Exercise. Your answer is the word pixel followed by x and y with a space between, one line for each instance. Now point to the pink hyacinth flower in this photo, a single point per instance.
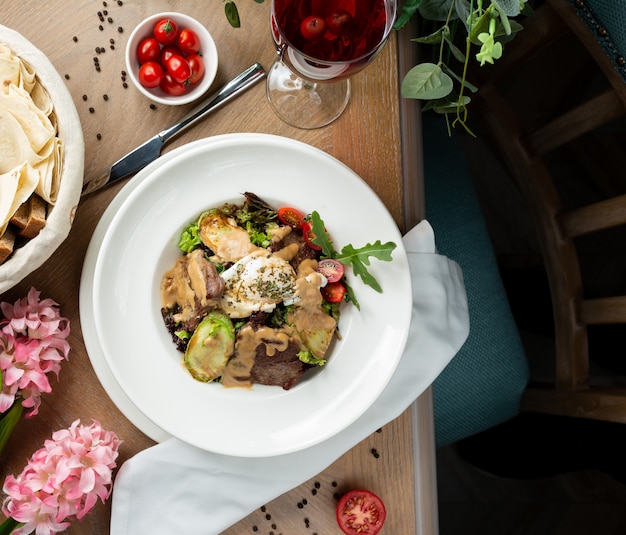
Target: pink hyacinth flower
pixel 33 342
pixel 63 480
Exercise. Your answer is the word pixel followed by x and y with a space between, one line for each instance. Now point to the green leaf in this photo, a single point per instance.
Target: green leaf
pixel 9 526
pixel 359 258
pixel 409 8
pixel 436 9
pixel 449 106
pixel 456 52
pixel 434 38
pixel 232 14
pixel 322 239
pixel 8 423
pixel 308 358
pixel 426 81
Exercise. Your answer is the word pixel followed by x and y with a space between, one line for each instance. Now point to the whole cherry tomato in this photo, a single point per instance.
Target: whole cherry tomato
pixel 169 50
pixel 148 50
pixel 150 74
pixel 188 41
pixel 313 27
pixel 166 31
pixel 178 68
pixel 196 64
pixel 171 86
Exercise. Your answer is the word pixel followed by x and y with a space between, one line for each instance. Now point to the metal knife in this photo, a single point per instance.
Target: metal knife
pixel 151 149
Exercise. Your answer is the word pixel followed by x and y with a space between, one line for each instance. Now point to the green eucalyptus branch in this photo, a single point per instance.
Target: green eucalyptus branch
pixel 488 24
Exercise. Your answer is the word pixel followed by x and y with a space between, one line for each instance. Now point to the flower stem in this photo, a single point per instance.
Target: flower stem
pixel 9 525
pixel 8 423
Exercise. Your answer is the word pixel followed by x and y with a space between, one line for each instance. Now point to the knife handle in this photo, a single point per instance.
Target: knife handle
pixel 237 85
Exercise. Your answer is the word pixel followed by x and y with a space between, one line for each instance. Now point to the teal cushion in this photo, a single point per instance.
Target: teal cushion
pixel 483 384
pixel 606 20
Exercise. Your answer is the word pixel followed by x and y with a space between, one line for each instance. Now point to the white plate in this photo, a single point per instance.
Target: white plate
pixel 128 257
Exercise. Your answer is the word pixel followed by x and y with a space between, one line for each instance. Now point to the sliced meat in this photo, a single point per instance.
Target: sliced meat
pixel 281 369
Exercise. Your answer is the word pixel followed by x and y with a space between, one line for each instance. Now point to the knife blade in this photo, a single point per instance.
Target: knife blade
pixel 149 151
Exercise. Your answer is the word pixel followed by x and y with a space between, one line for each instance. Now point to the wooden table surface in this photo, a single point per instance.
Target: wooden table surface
pixel 367 138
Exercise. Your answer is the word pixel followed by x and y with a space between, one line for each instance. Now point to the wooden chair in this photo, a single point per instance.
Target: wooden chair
pixel 532 130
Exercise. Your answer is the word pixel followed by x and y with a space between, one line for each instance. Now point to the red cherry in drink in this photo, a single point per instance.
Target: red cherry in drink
pixel 339 21
pixel 313 27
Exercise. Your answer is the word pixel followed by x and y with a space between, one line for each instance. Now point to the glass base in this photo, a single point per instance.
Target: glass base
pixel 305 104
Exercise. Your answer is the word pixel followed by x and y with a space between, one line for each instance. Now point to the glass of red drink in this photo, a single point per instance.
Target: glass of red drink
pixel 320 44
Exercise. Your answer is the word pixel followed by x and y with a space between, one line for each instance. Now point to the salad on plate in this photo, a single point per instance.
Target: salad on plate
pixel 255 297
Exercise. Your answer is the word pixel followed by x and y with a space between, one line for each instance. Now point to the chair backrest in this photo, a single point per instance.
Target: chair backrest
pixel 568 112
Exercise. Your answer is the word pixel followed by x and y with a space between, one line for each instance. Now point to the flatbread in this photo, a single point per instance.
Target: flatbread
pixel 16 187
pixel 30 149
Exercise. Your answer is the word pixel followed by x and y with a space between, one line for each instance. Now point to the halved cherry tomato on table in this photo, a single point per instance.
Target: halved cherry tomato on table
pixel 331 269
pixel 150 74
pixel 188 41
pixel 313 27
pixel 196 64
pixel 309 236
pixel 166 31
pixel 178 68
pixel 148 50
pixel 333 292
pixel 290 216
pixel 360 511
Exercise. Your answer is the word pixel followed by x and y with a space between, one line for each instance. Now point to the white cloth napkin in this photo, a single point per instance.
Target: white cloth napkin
pixel 167 477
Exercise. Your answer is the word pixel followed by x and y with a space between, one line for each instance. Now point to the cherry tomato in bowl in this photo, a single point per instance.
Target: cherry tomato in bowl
pixel 200 74
pixel 150 74
pixel 166 31
pixel 188 41
pixel 149 49
pixel 360 511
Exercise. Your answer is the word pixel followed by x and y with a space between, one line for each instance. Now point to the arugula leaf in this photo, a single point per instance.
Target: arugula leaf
pixel 359 258
pixel 349 255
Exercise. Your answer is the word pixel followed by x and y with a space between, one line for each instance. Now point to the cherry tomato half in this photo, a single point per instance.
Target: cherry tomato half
pixel 309 236
pixel 196 64
pixel 333 292
pixel 313 27
pixel 148 50
pixel 171 86
pixel 331 269
pixel 360 511
pixel 290 216
pixel 188 41
pixel 166 31
pixel 150 74
pixel 178 68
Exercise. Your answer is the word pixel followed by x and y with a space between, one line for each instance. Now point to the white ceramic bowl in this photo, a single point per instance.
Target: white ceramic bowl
pixel 208 50
pixel 31 255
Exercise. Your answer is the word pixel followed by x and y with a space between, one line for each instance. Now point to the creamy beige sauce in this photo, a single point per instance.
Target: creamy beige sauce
pixel 185 285
pixel 234 245
pixel 239 367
